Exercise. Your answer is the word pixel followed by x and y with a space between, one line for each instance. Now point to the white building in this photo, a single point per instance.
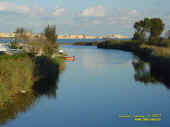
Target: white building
pixel 7 50
pixel 3 48
pixel 115 36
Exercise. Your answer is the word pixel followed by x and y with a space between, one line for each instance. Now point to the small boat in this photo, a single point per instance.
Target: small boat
pixel 69 58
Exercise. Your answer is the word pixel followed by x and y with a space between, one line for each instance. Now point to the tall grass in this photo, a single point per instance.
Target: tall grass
pixel 35 75
pixel 20 72
pixel 157 51
pixel 128 45
pixel 86 43
pixel 16 74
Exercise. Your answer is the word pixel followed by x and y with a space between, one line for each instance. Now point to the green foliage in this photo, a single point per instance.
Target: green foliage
pixel 16 73
pixel 20 30
pixel 21 72
pixel 50 34
pixel 13 45
pixel 139 37
pixel 154 27
pixel 128 45
pixel 12 100
pixel 41 45
pixel 86 43
pixel 21 35
pixel 163 52
pixel 157 27
pixel 168 34
pixel 142 27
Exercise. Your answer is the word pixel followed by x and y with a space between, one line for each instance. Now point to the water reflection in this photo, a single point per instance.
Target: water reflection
pixel 11 108
pixel 94 59
pixel 18 104
pixel 150 73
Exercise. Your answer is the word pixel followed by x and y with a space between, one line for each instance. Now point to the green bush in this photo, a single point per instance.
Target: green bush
pixel 86 43
pixel 13 45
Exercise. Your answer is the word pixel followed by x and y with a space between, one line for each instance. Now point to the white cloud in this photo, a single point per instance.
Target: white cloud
pixel 133 13
pixel 23 9
pixel 58 12
pixel 90 20
pixel 12 7
pixel 96 11
pixel 102 15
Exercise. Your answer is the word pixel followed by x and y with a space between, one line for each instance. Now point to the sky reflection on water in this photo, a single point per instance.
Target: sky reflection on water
pixel 94 90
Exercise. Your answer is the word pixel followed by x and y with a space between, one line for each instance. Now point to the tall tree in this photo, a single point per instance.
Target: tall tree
pixel 153 27
pixel 142 28
pixel 168 34
pixel 20 34
pixel 50 34
pixel 156 30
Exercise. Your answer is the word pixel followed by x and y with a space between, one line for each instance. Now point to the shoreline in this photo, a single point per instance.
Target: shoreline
pixel 160 64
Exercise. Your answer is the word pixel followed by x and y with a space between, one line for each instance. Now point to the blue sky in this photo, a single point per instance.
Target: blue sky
pixel 92 17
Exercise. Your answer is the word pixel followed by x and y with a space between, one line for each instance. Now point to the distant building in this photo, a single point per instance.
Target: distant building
pixel 91 37
pixel 115 36
pixel 7 35
pixel 79 36
pixel 3 48
pixel 70 36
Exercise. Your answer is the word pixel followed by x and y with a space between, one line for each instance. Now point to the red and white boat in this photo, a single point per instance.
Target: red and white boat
pixel 69 58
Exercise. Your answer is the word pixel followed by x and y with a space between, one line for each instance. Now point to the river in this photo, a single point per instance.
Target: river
pixel 95 89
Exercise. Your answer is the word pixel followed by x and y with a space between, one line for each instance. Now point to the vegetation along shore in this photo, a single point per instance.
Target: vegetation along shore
pixel 81 43
pixel 146 44
pixel 31 67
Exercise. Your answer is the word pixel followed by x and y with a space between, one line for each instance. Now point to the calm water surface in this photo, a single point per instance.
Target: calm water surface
pixel 94 90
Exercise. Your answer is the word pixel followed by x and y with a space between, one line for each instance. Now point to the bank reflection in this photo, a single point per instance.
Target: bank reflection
pixel 12 106
pixel 150 73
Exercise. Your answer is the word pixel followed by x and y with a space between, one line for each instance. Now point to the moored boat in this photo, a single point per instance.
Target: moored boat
pixel 69 58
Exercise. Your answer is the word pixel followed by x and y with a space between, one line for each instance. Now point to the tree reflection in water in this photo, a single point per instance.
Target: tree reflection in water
pixel 10 108
pixel 150 73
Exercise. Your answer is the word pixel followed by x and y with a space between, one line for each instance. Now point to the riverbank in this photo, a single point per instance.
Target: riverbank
pixel 24 79
pixel 23 73
pixel 81 43
pixel 157 56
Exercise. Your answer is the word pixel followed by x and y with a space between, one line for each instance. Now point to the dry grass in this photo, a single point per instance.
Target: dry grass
pixel 157 51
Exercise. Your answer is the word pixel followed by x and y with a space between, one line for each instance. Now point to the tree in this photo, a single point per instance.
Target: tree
pixel 21 34
pixel 142 27
pixel 50 34
pixel 168 34
pixel 156 29
pixel 153 27
pixel 139 36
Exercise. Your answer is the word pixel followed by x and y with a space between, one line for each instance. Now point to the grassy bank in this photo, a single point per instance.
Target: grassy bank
pixel 23 79
pixel 28 73
pixel 150 50
pixel 20 73
pixel 155 54
pixel 86 43
pixel 127 45
pixel 81 43
pixel 16 74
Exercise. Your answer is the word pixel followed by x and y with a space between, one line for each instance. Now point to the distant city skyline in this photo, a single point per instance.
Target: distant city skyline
pixel 97 17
